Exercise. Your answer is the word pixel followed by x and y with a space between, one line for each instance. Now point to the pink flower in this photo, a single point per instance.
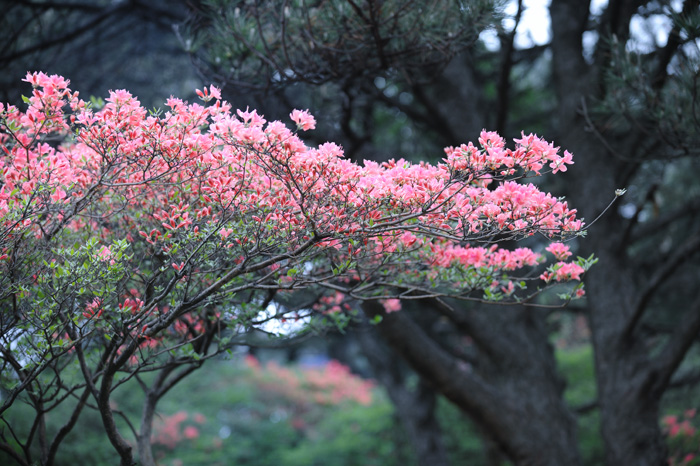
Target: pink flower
pixel 569 271
pixel 106 255
pixel 560 251
pixel 686 429
pixel 58 195
pixel 408 238
pixel 491 139
pixel 191 432
pixel 208 94
pixel 215 92
pixel 304 120
pixel 674 430
pixel 391 305
pixel 252 362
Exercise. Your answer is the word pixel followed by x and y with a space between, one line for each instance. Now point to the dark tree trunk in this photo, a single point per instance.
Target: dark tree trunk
pixel 629 389
pixel 515 396
pixel 629 405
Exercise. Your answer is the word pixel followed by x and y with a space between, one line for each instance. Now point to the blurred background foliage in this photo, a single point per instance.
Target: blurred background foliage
pixel 241 410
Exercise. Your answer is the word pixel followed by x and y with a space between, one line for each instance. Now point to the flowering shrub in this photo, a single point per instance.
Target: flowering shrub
pixel 128 236
pixel 169 430
pixel 330 384
pixel 143 218
pixel 683 438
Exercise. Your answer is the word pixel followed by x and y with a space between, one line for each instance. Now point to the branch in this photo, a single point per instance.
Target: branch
pixel 48 5
pixel 663 273
pixel 156 15
pixel 455 381
pixel 68 36
pixel 691 209
pixel 10 451
pixel 619 14
pixel 415 406
pixel 634 221
pixel 691 377
pixel 119 443
pixel 529 55
pixel 67 427
pixel 504 74
pixel 586 408
pixel 436 119
pixel 671 356
pixel 148 11
pixel 461 318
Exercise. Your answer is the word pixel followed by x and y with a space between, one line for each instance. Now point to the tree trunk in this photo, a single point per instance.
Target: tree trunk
pixel 144 440
pixel 629 407
pixel 516 397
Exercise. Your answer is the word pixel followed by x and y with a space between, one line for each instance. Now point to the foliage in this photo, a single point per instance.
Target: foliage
pixel 285 41
pixel 251 420
pixel 126 45
pixel 683 438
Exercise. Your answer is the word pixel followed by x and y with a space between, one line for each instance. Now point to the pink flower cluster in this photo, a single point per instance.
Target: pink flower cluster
pixel 563 271
pixel 202 184
pixel 304 120
pixel 561 251
pixel 330 384
pixel 530 154
pixel 391 305
pixel 169 430
pixel 492 257
pixel 682 438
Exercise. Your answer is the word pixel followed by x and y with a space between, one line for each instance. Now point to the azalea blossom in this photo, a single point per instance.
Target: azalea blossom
pixel 304 120
pixel 560 251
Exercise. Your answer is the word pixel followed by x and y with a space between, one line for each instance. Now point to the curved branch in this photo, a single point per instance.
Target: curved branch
pixel 689 209
pixel 455 381
pixel 663 273
pixel 67 427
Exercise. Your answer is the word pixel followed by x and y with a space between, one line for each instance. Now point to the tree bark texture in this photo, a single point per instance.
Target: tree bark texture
pixel 629 387
pixel 516 396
